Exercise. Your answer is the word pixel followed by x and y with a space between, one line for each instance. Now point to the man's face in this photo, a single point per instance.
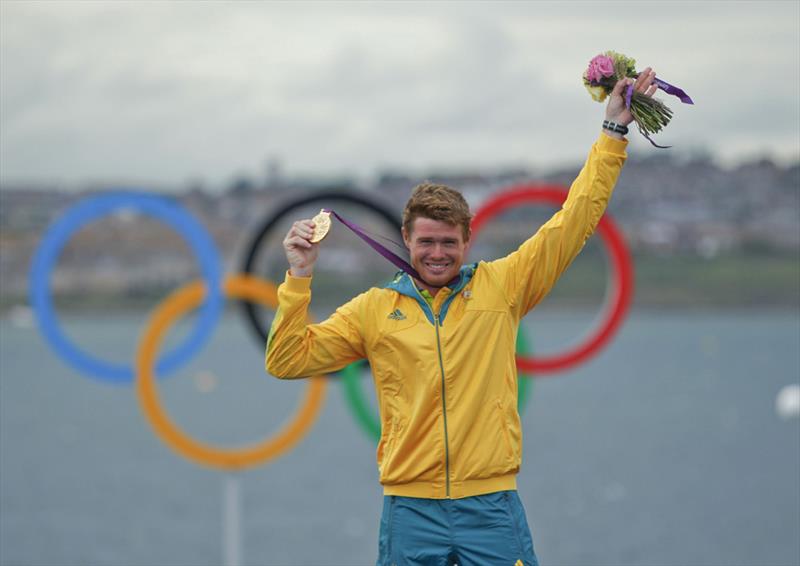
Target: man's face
pixel 437 250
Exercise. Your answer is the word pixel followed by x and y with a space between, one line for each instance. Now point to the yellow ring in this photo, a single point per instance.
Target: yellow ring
pixel 173 307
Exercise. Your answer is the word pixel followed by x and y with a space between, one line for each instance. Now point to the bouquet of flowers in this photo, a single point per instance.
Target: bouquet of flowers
pixel 650 115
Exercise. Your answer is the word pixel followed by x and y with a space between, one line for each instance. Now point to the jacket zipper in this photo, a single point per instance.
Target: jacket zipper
pixel 444 410
pixel 424 304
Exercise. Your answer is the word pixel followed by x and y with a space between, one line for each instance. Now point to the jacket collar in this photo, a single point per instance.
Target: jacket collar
pixel 403 283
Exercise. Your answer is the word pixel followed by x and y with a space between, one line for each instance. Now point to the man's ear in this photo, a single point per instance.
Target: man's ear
pixel 406 237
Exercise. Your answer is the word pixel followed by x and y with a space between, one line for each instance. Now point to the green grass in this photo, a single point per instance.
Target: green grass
pixel 729 281
pixel 733 281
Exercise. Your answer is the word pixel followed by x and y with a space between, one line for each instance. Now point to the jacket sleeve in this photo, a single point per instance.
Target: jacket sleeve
pixel 528 274
pixel 296 348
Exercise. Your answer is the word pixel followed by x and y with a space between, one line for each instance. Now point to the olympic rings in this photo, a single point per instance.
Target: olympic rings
pixel 95 207
pixel 524 386
pixel 372 426
pixel 325 197
pixel 617 301
pixel 177 304
pixel 254 290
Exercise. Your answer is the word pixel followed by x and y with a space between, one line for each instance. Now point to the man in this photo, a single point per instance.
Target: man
pixel 441 349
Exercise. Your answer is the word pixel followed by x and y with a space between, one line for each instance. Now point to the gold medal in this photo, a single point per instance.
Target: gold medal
pixel 322 225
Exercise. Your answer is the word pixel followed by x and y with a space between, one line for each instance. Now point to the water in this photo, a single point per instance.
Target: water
pixel 664 449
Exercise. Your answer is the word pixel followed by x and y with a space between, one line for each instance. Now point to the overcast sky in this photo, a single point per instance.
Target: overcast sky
pixel 171 92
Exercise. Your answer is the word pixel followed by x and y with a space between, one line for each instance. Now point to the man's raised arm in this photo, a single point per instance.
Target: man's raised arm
pixel 530 272
pixel 296 348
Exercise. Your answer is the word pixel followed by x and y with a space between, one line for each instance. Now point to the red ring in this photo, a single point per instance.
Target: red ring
pixel 618 298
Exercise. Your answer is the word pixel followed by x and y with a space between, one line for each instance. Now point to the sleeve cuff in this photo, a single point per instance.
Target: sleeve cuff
pixel 297 284
pixel 608 144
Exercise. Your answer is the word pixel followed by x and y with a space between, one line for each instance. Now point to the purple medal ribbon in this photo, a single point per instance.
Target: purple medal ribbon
pixel 669 89
pixel 388 254
pixel 381 249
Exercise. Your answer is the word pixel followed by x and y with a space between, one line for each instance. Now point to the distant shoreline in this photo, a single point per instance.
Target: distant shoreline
pixel 671 282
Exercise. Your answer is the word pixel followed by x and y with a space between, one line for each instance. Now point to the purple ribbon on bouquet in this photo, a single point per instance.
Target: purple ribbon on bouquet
pixel 381 249
pixel 674 90
pixel 669 89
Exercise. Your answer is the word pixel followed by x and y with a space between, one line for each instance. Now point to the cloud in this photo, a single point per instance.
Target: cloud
pixel 164 92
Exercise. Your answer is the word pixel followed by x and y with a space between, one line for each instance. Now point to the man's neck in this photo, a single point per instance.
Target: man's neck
pixel 422 285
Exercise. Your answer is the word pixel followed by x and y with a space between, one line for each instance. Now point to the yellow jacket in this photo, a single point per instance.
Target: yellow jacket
pixel 445 375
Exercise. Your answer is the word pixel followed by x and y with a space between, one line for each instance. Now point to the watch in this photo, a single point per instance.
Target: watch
pixel 614 127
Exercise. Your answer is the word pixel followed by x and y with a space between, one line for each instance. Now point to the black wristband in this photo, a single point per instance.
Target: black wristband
pixel 614 127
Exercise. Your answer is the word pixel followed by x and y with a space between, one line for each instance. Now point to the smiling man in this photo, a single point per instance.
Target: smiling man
pixel 436 232
pixel 441 348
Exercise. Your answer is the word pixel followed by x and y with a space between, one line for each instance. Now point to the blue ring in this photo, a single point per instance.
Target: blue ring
pixel 90 209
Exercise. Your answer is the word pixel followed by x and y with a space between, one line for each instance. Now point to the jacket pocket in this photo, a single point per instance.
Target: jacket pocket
pixel 501 413
pixel 389 446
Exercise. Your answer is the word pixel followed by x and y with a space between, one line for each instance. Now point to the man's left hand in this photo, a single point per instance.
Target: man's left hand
pixel 616 110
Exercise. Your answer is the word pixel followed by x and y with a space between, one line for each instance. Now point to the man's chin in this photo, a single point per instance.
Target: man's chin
pixel 439 280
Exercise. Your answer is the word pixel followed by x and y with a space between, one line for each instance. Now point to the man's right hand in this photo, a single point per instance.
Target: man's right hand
pixel 300 252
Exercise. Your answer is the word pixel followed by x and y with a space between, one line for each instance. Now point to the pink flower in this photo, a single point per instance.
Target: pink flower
pixel 599 67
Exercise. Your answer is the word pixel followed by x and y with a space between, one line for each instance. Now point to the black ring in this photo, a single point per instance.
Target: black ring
pixel 326 197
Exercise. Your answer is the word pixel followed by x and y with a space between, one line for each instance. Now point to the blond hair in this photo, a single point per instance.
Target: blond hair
pixel 437 202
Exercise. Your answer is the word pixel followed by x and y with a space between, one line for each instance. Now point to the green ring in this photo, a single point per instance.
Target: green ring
pixel 524 386
pixel 362 412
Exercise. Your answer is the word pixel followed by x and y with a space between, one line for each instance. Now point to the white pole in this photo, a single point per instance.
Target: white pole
pixel 231 521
